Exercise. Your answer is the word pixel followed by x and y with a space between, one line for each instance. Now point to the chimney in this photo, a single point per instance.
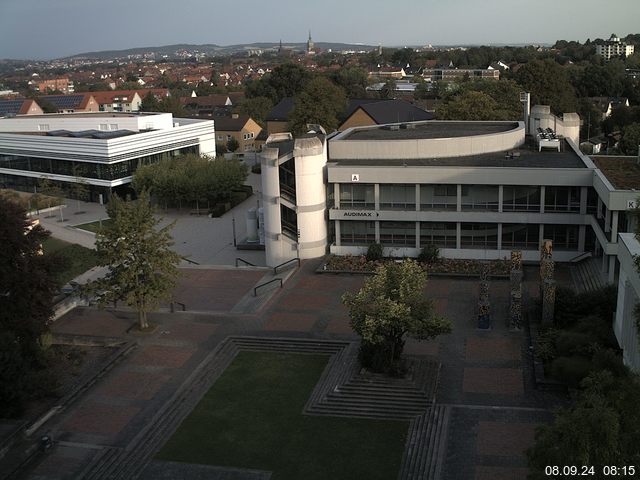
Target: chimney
pixel 235 116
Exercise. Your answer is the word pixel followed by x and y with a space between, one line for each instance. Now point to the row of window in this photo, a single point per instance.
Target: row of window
pixel 100 171
pixel 444 235
pixel 473 197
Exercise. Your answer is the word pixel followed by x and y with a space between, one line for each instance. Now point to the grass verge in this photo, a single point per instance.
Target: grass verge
pixel 252 418
pixel 94 226
pixel 70 259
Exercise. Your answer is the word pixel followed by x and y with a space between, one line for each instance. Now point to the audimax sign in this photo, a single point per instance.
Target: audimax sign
pixel 363 214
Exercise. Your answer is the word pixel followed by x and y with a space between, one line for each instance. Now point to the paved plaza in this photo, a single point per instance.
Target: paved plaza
pixel 485 384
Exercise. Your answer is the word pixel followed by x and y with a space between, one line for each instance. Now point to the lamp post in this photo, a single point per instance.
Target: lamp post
pixel 233 227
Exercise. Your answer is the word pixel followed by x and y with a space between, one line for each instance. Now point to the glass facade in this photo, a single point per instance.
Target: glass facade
pixel 442 235
pixel 289 220
pixel 479 235
pixel 397 197
pixel 398 234
pixel 564 237
pixel 95 170
pixel 562 199
pixel 360 196
pixel 438 197
pixel 480 197
pixel 520 199
pixel 521 236
pixel 287 172
pixel 357 233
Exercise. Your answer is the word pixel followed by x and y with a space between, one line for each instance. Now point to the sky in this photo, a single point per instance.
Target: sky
pixel 45 29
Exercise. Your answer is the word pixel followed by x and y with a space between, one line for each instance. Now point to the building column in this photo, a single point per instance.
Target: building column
pixel 500 225
pixel 377 231
pixel 607 221
pixel 336 224
pixel 599 211
pixel 418 235
pixel 603 268
pixel 417 197
pixel 458 233
pixel 583 200
pixel 614 226
pixel 541 236
pixel 612 268
pixel 582 234
pixel 336 195
pixel 459 198
pixel 376 197
pixel 500 200
pixel 542 195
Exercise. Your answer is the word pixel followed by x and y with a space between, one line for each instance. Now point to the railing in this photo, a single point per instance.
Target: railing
pixel 172 307
pixel 275 269
pixel 581 257
pixel 190 261
pixel 255 290
pixel 244 261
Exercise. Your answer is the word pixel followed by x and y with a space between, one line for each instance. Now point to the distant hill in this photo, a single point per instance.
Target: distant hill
pixel 209 49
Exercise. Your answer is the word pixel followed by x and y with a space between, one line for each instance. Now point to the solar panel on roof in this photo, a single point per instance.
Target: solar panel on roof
pixel 58 133
pixel 10 106
pixel 64 102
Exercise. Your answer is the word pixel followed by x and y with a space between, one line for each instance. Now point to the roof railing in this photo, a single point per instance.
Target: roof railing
pixel 275 269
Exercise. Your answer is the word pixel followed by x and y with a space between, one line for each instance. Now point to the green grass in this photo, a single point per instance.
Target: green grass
pixel 252 418
pixel 71 259
pixel 94 226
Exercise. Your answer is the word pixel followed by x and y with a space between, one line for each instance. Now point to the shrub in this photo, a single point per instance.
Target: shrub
pixel 257 168
pixel 571 370
pixel 374 252
pixel 546 345
pixel 574 343
pixel 429 254
pixel 609 359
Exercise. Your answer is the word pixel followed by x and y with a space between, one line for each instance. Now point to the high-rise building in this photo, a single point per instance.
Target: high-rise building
pixel 614 48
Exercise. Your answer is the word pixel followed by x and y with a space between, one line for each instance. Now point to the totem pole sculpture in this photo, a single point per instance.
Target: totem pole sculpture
pixel 547 282
pixel 484 307
pixel 515 308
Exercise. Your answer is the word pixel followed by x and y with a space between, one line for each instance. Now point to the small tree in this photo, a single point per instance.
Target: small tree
pixel 390 306
pixel 142 266
pixel 80 187
pixel 233 145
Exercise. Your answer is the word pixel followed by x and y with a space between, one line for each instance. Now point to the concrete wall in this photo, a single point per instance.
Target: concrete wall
pixel 83 121
pixel 624 325
pixel 343 148
pixel 567 126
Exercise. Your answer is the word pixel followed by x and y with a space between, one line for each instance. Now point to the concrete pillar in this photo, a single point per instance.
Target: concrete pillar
pixel 582 234
pixel 336 224
pixel 336 195
pixel 376 196
pixel 418 235
pixel 500 229
pixel 417 197
pixel 612 268
pixel 270 178
pixel 541 235
pixel 603 268
pixel 458 233
pixel 542 195
pixel 614 226
pixel 599 208
pixel 583 200
pixel 459 199
pixel 500 199
pixel 607 221
pixel 377 231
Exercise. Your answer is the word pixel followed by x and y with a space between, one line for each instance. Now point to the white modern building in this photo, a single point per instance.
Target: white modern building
pixel 614 48
pixel 104 149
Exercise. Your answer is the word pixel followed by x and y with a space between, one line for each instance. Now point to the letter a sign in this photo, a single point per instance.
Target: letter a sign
pixel 355 177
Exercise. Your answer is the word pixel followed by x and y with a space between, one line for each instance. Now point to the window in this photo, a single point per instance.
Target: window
pixel 564 237
pixel 357 233
pixel 522 236
pixel 520 199
pixel 442 235
pixel 398 197
pixel 438 197
pixel 479 235
pixel 289 221
pixel 220 137
pixel 562 199
pixel 43 127
pixel 104 126
pixel 398 234
pixel 357 196
pixel 113 126
pixel 228 137
pixel 480 197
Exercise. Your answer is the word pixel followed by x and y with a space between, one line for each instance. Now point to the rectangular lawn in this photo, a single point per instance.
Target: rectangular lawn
pixel 94 226
pixel 252 418
pixel 73 260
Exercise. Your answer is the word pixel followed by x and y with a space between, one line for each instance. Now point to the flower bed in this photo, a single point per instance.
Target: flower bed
pixel 443 266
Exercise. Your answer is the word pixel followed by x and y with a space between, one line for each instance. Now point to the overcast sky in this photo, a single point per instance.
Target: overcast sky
pixel 43 29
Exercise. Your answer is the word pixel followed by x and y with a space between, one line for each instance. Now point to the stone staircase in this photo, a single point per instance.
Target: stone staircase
pixel 426 445
pixel 587 275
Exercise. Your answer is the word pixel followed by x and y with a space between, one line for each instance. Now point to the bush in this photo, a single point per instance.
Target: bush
pixel 429 254
pixel 570 307
pixel 609 359
pixel 571 370
pixel 375 357
pixel 257 168
pixel 574 343
pixel 374 252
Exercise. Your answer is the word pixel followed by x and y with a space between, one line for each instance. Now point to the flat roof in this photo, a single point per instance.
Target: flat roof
pixel 85 114
pixel 429 130
pixel 622 172
pixel 524 157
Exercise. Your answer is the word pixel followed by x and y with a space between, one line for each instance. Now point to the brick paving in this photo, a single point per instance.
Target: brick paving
pixel 485 376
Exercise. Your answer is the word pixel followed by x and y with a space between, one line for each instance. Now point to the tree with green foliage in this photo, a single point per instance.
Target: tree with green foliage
pixel 233 145
pixel 469 105
pixel 549 84
pixel 80 186
pixel 142 267
pixel 630 141
pixel 26 305
pixel 257 108
pixel 353 80
pixel 602 428
pixel 150 103
pixel 284 81
pixel 321 102
pixel 389 307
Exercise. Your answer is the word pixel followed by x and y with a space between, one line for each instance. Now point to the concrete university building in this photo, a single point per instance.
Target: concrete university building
pixel 101 149
pixel 477 190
